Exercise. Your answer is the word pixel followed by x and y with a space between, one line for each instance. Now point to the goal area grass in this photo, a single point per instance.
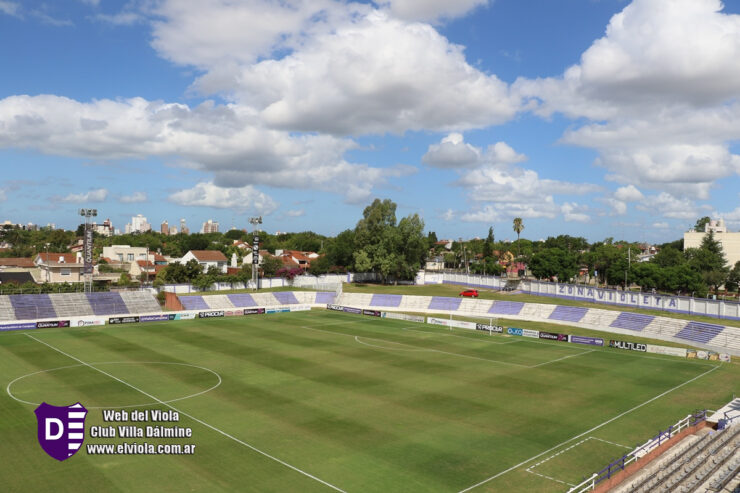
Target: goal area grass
pixel 327 401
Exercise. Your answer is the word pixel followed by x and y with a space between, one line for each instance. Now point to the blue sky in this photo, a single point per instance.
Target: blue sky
pixel 594 118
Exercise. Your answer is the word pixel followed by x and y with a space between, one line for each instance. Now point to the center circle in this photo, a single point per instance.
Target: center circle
pixel 130 386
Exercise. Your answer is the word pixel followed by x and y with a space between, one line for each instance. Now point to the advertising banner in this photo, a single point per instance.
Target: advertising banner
pixel 724 357
pixel 52 323
pixel 211 314
pixel 337 308
pixel 671 351
pixel 155 318
pixel 233 313
pixel 451 323
pixel 489 328
pixel 592 341
pixel 256 250
pixel 349 309
pixel 514 331
pixel 371 313
pixel 184 316
pixel 87 246
pixel 18 326
pixel 86 322
pixel 403 316
pixel 123 320
pixel 277 310
pixel 531 333
pixel 552 336
pixel 633 346
pixel 254 311
pixel 300 308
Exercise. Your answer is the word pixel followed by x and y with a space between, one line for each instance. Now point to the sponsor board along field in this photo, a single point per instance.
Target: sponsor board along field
pixel 329 401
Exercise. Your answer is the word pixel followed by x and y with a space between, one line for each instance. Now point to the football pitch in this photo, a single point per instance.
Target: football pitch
pixel 322 401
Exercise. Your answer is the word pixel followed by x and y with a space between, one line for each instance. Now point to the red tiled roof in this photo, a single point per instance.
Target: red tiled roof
pixel 209 255
pixel 17 262
pixel 69 258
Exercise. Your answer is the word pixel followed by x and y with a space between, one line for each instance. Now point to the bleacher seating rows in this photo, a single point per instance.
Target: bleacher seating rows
pixel 699 332
pixel 241 300
pixel 444 303
pixel 106 303
pixel 140 302
pixel 692 462
pixel 31 306
pixel 715 336
pixel 325 298
pixel 632 321
pixel 244 300
pixel 71 304
pixel 506 307
pixel 390 300
pixel 194 303
pixel 568 313
pixel 6 309
pixel 68 305
pixel 286 298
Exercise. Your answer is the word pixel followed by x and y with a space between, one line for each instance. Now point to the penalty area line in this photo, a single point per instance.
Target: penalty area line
pixel 588 431
pixel 251 447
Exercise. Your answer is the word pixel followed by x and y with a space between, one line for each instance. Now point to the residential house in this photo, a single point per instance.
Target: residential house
pixel 59 267
pixel 295 258
pixel 207 258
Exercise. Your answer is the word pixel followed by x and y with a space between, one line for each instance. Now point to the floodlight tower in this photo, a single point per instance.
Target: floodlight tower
pixel 254 221
pixel 87 244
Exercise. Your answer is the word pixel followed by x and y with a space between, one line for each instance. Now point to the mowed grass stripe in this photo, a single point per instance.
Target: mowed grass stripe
pixel 213 428
pixel 371 419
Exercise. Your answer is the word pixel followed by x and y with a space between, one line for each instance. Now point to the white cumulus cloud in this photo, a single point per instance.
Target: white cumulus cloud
pixel 134 198
pixel 206 194
pixel 431 10
pixel 661 89
pixel 97 195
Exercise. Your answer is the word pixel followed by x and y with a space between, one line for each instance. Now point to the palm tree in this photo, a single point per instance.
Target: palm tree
pixel 518 227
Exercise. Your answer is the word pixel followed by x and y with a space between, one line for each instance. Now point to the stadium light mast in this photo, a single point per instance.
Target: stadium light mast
pixel 87 244
pixel 254 221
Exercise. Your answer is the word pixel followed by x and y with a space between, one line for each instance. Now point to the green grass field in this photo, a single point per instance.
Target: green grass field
pixel 310 401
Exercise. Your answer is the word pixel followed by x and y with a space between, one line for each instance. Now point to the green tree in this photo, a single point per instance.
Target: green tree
pixel 488 244
pixel 320 266
pixel 518 226
pixel 270 265
pixel 554 262
pixel 701 223
pixel 668 257
pixel 733 278
pixel 235 234
pixel 124 280
pixel 340 251
pixel 391 250
pixel 709 260
pixel 362 262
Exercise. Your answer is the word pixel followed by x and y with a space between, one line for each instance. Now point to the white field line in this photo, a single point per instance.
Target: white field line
pixel 422 349
pixel 574 446
pixel 589 431
pixel 191 417
pixel 633 354
pixel 548 477
pixel 529 469
pixel 438 333
pixel 564 357
pixel 357 338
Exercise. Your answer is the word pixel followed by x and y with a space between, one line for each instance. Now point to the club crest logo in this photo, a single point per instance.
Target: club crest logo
pixel 61 430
